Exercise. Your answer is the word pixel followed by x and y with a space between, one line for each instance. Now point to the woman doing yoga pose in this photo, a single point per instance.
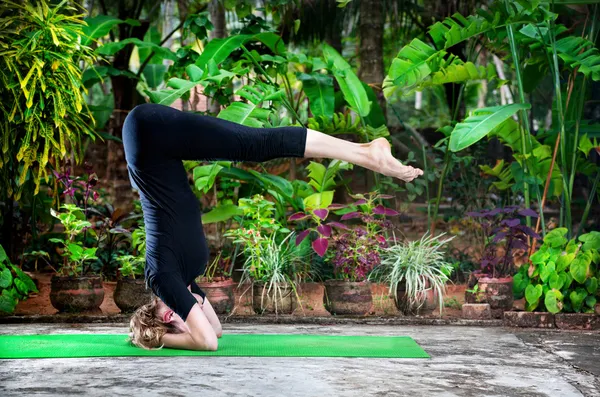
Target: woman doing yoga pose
pixel 156 139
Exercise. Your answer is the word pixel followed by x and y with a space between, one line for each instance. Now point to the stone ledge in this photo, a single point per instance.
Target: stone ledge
pixel 266 319
pixel 529 319
pixel 578 321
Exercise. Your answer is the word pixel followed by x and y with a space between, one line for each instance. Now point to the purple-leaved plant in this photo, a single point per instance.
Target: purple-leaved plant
pixel 503 225
pixel 356 249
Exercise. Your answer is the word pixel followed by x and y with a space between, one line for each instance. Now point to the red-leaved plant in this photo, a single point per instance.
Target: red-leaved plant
pixel 364 209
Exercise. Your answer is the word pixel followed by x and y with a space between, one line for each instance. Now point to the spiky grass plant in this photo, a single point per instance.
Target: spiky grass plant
pixel 277 265
pixel 420 265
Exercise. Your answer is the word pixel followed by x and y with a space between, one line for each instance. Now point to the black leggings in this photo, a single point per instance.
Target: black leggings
pixel 156 139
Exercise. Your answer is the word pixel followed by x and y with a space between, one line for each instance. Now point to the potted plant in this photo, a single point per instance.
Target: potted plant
pixel 218 284
pixel 355 250
pixel 271 261
pixel 504 235
pixel 131 291
pixel 416 271
pixel 74 287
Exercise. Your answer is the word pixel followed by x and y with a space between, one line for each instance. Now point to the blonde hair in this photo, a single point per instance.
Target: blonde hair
pixel 147 328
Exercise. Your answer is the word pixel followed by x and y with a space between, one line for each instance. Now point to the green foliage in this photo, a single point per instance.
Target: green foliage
pixel 580 53
pixel 419 266
pixel 480 123
pixel 44 113
pixel 251 113
pixel 322 181
pixel 99 26
pixel 319 89
pixel 351 86
pixel 131 265
pixel 73 251
pixel 14 284
pixel 563 274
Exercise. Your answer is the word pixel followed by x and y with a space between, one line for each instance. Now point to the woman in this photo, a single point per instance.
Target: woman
pixel 156 139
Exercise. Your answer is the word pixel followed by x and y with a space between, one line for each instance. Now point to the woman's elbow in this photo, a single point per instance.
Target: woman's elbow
pixel 207 344
pixel 211 346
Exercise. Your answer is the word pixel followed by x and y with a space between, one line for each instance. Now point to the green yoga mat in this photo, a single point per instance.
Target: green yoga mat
pixel 277 345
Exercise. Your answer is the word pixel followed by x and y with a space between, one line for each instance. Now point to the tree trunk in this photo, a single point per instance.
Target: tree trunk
pixel 126 97
pixel 371 47
pixel 217 17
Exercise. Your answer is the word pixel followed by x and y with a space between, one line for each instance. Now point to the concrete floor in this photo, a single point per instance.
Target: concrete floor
pixel 465 361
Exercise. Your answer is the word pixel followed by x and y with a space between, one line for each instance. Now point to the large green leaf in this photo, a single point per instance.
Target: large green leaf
pixel 577 298
pixel 242 113
pixel 152 36
pixel 351 86
pixel 7 302
pixel 154 74
pixel 376 117
pixel 580 267
pixel 25 279
pixel 556 237
pixel 591 285
pixel 553 301
pixel 318 200
pixel 563 261
pixel 271 40
pixel 221 213
pixel 581 53
pixel 277 183
pixel 3 255
pixel 319 90
pixel 204 176
pixel 533 295
pixel 6 278
pixel 460 72
pixel 219 49
pixel 113 47
pixel 167 97
pixel 251 113
pixel 590 241
pixel 411 66
pixel 557 281
pixel 97 27
pixel 480 123
pixel 457 28
pixel 323 178
pixel 547 270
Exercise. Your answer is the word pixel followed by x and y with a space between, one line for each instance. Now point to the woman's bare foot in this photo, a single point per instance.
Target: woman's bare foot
pixel 382 161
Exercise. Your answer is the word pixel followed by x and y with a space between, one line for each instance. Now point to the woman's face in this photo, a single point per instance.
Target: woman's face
pixel 170 317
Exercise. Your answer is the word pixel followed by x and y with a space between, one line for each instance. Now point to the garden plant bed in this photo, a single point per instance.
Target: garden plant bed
pixel 39 309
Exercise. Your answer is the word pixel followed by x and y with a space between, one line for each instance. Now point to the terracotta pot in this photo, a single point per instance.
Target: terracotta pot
pixel 345 297
pixel 402 302
pixel 498 292
pixel 131 293
pixel 264 301
pixel 76 294
pixel 219 293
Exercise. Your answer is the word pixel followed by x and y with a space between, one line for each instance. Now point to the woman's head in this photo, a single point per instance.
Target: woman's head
pixel 151 321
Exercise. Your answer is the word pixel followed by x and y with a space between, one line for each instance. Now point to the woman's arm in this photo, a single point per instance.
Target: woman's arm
pixel 210 314
pixel 202 336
